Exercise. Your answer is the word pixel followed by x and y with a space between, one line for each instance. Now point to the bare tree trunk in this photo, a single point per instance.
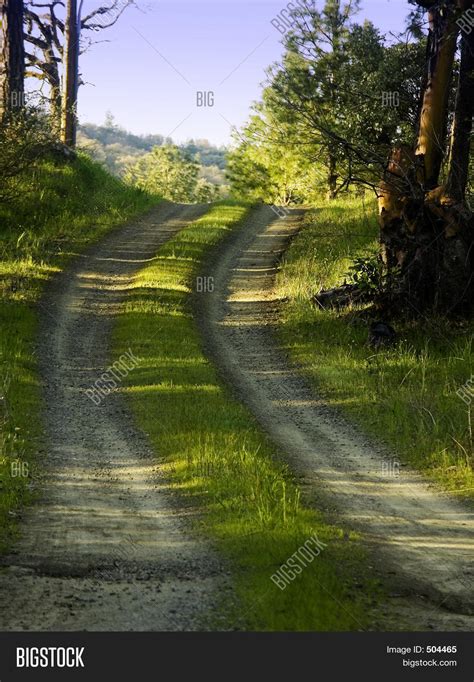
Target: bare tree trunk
pixel 457 270
pixel 70 75
pixel 432 129
pixel 462 125
pixel 426 231
pixel 51 70
pixel 12 57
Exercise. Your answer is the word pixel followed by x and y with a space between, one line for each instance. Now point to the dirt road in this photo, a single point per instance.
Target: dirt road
pixel 106 546
pixel 421 541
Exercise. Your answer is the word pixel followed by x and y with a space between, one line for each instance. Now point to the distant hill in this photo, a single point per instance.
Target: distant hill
pixel 116 148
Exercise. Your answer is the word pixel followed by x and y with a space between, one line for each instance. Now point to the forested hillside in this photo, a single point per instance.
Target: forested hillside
pixel 117 149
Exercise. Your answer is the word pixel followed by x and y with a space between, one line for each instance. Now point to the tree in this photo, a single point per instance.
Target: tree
pixel 330 88
pixel 333 95
pixel 48 34
pixel 43 35
pixel 323 106
pixel 462 125
pixel 169 172
pixel 307 85
pixel 427 229
pixel 12 57
pixel 262 166
pixel 70 75
pixel 206 192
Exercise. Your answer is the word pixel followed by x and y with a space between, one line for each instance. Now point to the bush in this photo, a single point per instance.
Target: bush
pixel 169 172
pixel 23 141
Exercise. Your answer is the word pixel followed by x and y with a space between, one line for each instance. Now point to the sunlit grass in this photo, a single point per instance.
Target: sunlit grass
pixel 61 209
pixel 215 454
pixel 405 396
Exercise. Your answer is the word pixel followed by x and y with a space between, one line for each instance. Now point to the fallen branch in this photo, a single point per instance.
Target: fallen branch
pixel 343 296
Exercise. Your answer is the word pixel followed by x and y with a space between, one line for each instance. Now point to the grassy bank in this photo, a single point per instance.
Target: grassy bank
pixel 405 396
pixel 217 458
pixel 58 210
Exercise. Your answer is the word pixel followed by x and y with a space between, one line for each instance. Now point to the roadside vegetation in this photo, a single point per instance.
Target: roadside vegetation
pixel 173 173
pixel 56 209
pixel 404 395
pixel 215 455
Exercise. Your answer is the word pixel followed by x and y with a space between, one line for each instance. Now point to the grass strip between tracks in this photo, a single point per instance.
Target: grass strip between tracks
pixel 215 455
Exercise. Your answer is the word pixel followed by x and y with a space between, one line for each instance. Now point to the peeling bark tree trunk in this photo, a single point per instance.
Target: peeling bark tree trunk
pixel 70 75
pixel 12 58
pixel 426 229
pixel 51 73
pixel 432 129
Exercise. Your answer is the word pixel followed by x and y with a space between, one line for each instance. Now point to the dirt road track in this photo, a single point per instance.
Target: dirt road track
pixel 105 547
pixel 421 541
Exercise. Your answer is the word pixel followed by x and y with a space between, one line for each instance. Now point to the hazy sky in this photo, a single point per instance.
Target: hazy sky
pixel 156 60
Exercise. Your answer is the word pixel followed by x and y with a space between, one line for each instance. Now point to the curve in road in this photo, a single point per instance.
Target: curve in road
pixel 421 541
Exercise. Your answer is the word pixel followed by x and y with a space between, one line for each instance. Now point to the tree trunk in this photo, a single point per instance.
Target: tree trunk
pixel 12 58
pixel 51 70
pixel 332 178
pixel 458 257
pixel 55 110
pixel 433 120
pixel 426 229
pixel 462 125
pixel 70 75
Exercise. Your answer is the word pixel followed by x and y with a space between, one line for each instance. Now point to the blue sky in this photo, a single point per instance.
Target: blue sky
pixel 155 61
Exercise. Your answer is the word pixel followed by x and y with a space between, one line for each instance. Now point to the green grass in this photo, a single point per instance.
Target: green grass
pixel 59 210
pixel 405 396
pixel 217 458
